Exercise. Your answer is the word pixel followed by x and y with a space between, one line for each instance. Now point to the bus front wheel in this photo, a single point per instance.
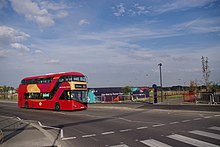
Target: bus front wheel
pixel 57 106
pixel 26 105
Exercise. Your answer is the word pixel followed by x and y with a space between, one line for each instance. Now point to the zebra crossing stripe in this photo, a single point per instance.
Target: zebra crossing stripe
pixel 120 145
pixel 191 141
pixel 215 128
pixel 206 134
pixel 154 143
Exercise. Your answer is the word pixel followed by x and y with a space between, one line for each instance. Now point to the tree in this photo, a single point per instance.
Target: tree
pixel 126 90
pixel 205 70
pixel 193 86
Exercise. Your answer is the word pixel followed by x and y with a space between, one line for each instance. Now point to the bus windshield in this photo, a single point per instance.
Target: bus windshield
pixel 77 95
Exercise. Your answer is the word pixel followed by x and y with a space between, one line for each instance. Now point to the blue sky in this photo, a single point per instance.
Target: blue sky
pixel 115 43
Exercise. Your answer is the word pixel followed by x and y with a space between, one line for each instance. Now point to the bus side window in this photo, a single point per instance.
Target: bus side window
pixel 26 95
pixel 61 79
pixel 46 95
pixel 75 78
pixel 69 78
pixel 65 95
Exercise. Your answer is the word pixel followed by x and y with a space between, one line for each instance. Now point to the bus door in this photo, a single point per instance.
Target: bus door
pixel 65 101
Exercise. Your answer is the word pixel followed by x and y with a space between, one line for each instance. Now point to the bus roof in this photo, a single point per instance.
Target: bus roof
pixel 55 75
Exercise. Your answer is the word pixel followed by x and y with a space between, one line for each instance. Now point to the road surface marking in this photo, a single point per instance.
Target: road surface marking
pixel 215 128
pixel 120 145
pixel 158 125
pixel 216 115
pixel 175 122
pixel 208 117
pixel 91 135
pixel 197 118
pixel 154 143
pixel 69 138
pixel 186 120
pixel 106 133
pixel 140 128
pixel 206 134
pixel 191 141
pixel 125 130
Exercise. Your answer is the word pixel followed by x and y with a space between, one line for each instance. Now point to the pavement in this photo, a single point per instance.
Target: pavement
pixel 15 132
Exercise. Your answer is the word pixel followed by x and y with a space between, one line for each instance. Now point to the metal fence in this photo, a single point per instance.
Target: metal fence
pixel 187 97
pixel 202 97
pixel 122 98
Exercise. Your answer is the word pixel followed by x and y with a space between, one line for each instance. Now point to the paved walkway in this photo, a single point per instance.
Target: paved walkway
pixel 17 133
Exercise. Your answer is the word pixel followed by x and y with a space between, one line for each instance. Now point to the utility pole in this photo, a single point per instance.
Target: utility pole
pixel 160 65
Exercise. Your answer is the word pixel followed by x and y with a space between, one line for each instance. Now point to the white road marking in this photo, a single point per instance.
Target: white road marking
pixel 154 143
pixel 208 117
pixel 69 138
pixel 197 118
pixel 120 145
pixel 18 118
pixel 175 122
pixel 140 128
pixel 125 130
pixel 191 141
pixel 106 133
pixel 215 128
pixel 159 125
pixel 185 120
pixel 206 134
pixel 91 135
pixel 216 115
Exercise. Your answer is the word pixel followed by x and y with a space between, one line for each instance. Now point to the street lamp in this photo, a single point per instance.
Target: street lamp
pixel 147 77
pixel 160 65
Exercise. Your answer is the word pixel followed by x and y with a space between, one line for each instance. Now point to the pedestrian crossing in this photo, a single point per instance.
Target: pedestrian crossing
pixel 183 139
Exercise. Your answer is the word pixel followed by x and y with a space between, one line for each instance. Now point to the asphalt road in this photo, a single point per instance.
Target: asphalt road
pixel 127 125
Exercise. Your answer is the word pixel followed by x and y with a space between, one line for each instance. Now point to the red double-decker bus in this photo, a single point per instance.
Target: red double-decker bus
pixel 60 91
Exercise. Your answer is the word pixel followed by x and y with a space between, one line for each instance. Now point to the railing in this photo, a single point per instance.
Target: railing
pixel 122 98
pixel 181 97
pixel 202 97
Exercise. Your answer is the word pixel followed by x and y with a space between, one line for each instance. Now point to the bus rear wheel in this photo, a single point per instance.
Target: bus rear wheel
pixel 57 106
pixel 26 105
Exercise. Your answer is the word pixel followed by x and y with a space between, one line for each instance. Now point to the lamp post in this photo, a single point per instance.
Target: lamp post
pixel 179 85
pixel 160 65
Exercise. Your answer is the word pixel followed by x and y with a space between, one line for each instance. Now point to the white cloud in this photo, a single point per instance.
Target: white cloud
pixel 20 46
pixel 38 51
pixel 62 14
pixel 52 61
pixel 39 12
pixel 52 5
pixel 200 25
pixel 138 33
pixel 181 5
pixel 11 38
pixel 136 9
pixel 139 9
pixel 158 8
pixel 83 22
pixel 119 10
pixel 58 10
pixel 33 12
pixel 3 53
pixel 8 33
